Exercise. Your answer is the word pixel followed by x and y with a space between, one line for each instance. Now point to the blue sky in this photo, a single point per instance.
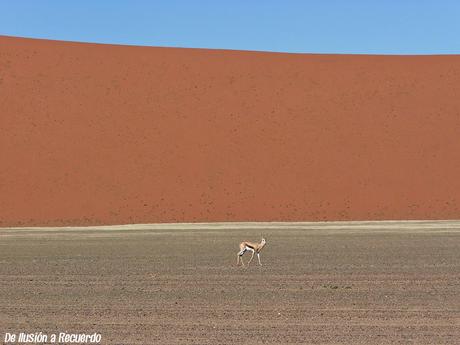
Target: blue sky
pixel 321 26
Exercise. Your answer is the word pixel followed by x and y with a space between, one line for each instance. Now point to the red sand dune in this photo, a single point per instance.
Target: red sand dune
pixel 103 134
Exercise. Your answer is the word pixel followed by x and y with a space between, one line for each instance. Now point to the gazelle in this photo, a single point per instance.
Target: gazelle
pixel 252 247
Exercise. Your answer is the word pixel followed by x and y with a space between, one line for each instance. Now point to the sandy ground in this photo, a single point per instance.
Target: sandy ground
pixel 320 284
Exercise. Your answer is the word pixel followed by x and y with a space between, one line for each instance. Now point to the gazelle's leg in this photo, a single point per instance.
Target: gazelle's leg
pixel 239 257
pixel 252 256
pixel 258 257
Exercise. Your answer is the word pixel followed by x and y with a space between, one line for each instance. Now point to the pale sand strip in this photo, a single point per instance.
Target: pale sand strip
pixel 360 226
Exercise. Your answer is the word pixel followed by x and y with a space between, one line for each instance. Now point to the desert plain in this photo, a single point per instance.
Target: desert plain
pixel 320 283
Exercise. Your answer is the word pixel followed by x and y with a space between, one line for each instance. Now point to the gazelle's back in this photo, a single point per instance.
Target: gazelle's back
pixel 247 244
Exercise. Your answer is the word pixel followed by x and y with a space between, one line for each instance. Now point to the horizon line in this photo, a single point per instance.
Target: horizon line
pixel 219 49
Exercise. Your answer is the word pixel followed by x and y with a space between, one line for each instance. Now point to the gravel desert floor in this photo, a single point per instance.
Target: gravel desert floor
pixel 363 283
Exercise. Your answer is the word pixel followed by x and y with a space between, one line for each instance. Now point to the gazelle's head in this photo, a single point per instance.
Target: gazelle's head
pixel 263 241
